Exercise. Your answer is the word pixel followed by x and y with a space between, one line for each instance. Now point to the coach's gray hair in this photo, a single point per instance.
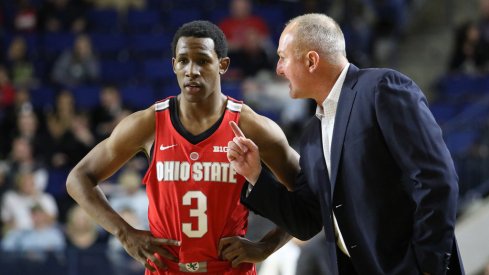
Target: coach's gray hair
pixel 320 33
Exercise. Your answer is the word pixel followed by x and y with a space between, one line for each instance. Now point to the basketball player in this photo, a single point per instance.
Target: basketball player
pixel 193 192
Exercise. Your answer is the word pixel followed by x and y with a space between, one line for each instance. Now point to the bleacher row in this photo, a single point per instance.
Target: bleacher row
pixel 462 110
pixel 133 49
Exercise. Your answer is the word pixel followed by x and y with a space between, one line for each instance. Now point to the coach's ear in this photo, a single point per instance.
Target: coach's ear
pixel 312 58
pixel 224 64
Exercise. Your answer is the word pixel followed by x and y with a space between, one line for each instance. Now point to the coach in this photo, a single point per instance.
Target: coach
pixel 375 171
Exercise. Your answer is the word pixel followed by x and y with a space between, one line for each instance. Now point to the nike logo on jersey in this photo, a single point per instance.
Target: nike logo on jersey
pixel 163 148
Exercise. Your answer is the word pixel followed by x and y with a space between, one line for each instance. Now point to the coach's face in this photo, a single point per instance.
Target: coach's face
pixel 292 64
pixel 198 68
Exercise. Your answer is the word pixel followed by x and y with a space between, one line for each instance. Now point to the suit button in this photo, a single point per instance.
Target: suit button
pixel 353 246
pixel 338 206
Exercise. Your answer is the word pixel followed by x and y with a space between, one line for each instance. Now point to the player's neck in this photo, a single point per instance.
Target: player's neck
pixel 197 117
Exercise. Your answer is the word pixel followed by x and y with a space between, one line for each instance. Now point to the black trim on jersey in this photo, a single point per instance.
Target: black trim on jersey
pixel 177 124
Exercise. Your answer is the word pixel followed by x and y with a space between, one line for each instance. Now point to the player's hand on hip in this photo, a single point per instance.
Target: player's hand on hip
pixel 244 156
pixel 239 250
pixel 147 249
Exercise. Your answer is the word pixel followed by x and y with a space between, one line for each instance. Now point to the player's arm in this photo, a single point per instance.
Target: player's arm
pixel 283 161
pixel 274 148
pixel 133 134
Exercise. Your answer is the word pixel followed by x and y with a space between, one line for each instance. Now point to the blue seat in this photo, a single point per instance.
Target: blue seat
pixel 158 70
pixel 42 97
pixel 217 15
pixel 150 45
pixel 232 89
pixel 138 96
pixel 457 87
pixel 55 43
pixel 274 17
pixel 86 97
pixel 170 88
pixel 443 111
pixel 117 72
pixel 103 20
pixel 459 142
pixel 108 45
pixel 143 21
pixel 178 17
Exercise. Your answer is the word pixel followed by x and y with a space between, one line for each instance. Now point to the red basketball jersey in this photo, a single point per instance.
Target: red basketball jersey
pixel 194 194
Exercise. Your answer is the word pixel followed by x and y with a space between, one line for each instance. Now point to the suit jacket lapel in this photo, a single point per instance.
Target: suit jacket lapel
pixel 342 117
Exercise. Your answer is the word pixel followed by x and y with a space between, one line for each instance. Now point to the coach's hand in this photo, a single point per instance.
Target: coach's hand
pixel 239 250
pixel 147 249
pixel 243 155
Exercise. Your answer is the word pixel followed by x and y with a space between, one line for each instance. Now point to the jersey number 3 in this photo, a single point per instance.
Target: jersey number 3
pixel 198 212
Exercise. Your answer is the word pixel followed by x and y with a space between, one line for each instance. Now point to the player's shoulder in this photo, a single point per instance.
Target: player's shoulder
pixel 249 116
pixel 141 119
pixel 253 124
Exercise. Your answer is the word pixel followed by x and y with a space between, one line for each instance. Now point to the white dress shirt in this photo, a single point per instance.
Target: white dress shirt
pixel 327 113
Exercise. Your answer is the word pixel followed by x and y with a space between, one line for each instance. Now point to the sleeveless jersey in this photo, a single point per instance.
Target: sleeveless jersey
pixel 194 194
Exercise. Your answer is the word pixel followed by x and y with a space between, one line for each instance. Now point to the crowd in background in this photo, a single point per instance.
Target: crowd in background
pixel 70 70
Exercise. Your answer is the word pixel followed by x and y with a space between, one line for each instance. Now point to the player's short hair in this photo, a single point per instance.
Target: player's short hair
pixel 202 29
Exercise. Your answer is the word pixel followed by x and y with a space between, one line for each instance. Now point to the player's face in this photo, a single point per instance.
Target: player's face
pixel 290 66
pixel 198 68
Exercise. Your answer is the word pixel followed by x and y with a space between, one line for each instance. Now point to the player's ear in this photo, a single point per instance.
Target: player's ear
pixel 173 60
pixel 224 64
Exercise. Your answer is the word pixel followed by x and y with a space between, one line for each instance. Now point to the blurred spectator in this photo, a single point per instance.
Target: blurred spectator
pixel 63 15
pixel 122 6
pixel 44 236
pixel 69 133
pixel 357 24
pixel 7 91
pixel 78 65
pixel 250 58
pixel 391 17
pixel 2 22
pixel 131 197
pixel 86 251
pixel 469 54
pixel 484 21
pixel 109 113
pixel 25 18
pixel 8 123
pixel 21 68
pixel 17 203
pixel 21 159
pixel 27 127
pixel 240 20
pixel 484 32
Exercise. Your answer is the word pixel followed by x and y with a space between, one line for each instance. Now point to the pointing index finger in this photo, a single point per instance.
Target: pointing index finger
pixel 236 130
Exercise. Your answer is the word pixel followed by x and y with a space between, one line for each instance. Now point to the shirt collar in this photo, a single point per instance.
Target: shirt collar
pixel 334 95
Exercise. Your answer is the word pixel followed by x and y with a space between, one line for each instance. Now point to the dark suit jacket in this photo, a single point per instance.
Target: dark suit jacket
pixel 393 184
